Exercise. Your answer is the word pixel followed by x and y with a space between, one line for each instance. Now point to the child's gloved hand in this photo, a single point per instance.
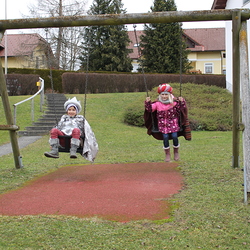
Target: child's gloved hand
pixel 148 99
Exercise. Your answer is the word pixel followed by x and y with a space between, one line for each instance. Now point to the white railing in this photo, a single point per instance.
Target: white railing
pixel 41 90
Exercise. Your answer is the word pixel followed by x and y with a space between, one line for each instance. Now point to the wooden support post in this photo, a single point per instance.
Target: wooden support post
pixel 9 117
pixel 236 19
pixel 245 94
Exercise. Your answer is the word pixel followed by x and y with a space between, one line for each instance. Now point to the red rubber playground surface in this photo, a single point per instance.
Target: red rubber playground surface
pixel 118 192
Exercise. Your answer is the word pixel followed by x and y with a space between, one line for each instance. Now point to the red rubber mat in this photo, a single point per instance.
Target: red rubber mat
pixel 118 192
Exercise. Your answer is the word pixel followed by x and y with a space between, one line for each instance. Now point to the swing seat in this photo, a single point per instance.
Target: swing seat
pixel 64 141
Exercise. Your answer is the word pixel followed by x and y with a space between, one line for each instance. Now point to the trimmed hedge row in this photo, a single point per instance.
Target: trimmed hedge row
pixel 44 74
pixel 75 83
pixel 21 84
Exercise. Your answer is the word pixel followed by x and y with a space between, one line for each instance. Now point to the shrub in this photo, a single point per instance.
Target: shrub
pixel 134 113
pixel 209 107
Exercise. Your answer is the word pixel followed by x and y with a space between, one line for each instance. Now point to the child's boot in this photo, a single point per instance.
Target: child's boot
pixel 75 143
pixel 167 153
pixel 176 153
pixel 54 143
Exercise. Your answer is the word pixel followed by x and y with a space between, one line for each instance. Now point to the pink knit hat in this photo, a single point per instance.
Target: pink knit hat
pixel 164 87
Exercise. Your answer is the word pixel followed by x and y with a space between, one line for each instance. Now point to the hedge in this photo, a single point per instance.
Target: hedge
pixel 75 83
pixel 108 82
pixel 18 84
pixel 44 74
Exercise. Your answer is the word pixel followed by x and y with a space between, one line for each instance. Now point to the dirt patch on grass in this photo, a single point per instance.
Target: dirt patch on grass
pixel 119 192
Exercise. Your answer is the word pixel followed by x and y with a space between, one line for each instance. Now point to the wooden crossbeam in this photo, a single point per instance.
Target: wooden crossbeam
pixel 9 127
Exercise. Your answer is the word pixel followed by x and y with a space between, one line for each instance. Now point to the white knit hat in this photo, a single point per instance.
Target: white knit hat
pixel 73 102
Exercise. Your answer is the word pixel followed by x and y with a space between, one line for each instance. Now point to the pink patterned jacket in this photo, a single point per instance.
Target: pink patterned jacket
pixel 167 115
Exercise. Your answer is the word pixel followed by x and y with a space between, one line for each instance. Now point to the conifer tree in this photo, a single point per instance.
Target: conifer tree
pixel 106 46
pixel 162 44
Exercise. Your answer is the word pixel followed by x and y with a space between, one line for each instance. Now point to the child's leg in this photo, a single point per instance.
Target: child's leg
pixel 54 143
pixel 76 133
pixel 175 139
pixel 176 146
pixel 165 140
pixel 54 133
pixel 166 147
pixel 75 142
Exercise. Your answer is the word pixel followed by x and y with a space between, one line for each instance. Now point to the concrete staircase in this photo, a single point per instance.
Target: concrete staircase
pixel 53 114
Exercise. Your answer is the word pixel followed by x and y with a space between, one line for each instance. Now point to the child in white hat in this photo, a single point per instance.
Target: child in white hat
pixel 74 125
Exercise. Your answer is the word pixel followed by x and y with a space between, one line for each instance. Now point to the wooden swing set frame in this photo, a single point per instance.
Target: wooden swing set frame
pixel 238 17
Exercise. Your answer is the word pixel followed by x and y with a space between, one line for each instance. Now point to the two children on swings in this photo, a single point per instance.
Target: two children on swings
pixel 168 110
pixel 74 125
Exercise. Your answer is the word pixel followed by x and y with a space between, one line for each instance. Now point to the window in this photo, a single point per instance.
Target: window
pixel 37 62
pixel 43 60
pixel 208 68
pixel 135 67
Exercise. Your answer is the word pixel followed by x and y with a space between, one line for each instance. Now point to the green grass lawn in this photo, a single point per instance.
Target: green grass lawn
pixel 208 213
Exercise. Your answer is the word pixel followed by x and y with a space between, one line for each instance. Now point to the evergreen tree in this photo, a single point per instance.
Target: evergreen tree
pixel 106 46
pixel 162 44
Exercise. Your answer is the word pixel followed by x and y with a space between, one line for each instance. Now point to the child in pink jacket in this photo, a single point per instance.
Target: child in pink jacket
pixel 168 110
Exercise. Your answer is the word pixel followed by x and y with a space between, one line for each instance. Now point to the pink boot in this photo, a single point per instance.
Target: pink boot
pixel 176 153
pixel 167 152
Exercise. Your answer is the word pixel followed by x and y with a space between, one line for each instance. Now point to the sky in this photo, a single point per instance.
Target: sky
pixel 18 8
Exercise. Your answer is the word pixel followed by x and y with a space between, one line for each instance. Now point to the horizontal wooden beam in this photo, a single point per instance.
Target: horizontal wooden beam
pixel 118 19
pixel 9 127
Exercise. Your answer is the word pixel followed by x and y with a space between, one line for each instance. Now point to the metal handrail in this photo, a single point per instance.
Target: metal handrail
pixel 41 90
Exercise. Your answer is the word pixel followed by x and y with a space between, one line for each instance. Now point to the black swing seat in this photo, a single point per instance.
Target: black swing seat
pixel 65 143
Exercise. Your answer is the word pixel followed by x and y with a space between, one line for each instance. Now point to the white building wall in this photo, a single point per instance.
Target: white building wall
pixel 233 4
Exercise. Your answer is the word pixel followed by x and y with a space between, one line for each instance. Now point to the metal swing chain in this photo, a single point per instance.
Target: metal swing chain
pixel 139 55
pixel 86 76
pixel 181 48
pixel 51 77
pixel 154 126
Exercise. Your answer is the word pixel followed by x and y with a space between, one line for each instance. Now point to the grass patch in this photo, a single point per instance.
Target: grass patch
pixel 208 213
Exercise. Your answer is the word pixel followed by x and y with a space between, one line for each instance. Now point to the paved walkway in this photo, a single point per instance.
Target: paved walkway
pixel 22 143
